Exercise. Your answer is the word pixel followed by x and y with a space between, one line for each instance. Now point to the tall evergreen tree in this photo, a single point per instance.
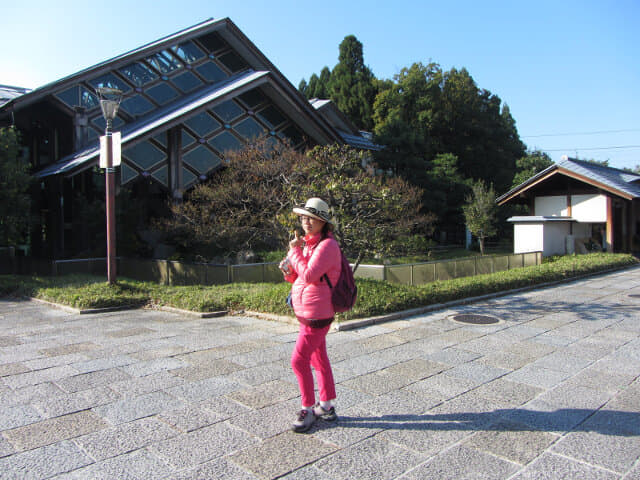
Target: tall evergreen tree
pixel 352 85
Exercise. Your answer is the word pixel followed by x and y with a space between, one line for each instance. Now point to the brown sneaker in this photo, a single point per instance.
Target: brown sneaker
pixel 304 422
pixel 326 415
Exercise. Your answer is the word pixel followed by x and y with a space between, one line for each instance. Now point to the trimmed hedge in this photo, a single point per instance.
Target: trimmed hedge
pixel 374 297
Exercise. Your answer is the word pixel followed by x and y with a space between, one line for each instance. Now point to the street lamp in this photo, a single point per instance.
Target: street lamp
pixel 109 102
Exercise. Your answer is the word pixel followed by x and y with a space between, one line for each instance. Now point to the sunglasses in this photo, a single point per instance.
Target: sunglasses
pixel 315 211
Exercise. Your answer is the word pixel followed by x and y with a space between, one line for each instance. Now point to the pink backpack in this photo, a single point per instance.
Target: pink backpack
pixel 345 291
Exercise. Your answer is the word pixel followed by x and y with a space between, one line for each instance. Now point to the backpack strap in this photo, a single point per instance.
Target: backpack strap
pixel 326 278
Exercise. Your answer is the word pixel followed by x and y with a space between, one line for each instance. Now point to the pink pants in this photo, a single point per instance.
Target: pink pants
pixel 311 350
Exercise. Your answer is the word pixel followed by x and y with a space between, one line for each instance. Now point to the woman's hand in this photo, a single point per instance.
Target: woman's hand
pixel 296 242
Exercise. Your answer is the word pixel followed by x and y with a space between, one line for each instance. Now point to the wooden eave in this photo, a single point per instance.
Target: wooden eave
pixel 570 174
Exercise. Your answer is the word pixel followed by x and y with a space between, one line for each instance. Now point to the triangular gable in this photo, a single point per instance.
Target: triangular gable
pixel 607 179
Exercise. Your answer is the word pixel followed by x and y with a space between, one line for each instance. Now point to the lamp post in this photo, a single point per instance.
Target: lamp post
pixel 109 102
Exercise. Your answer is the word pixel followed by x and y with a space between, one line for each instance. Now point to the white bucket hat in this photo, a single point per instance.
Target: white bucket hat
pixel 315 208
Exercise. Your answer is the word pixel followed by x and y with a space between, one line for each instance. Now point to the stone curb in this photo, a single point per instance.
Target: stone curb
pixel 85 311
pixel 191 313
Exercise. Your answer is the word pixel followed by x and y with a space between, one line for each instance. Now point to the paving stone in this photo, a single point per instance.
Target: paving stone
pixel 477 372
pixel 133 387
pixel 202 445
pixel 102 363
pixel 281 454
pixel 190 417
pixel 546 417
pixel 86 381
pixel 575 396
pixel 54 430
pixel 354 424
pixel 29 394
pixel 138 465
pixel 141 369
pixel 145 405
pixel 442 386
pixel 220 468
pixel 43 462
pixel 422 435
pixel 461 462
pixel 554 467
pixel 129 332
pixel 268 421
pixel 537 377
pixel 309 472
pixel 48 362
pixel 469 411
pixel 452 356
pixel 261 374
pixel 613 452
pixel 75 402
pixel 204 389
pixel 266 394
pixel 126 437
pixel 512 441
pixel 13 369
pixel 563 362
pixel 613 420
pixel 599 380
pixel 402 402
pixel 506 392
pixel 161 352
pixel 67 349
pixel 9 340
pixel 212 369
pixel 39 376
pixel 224 408
pixel 373 458
pixel 18 416
pixel 5 447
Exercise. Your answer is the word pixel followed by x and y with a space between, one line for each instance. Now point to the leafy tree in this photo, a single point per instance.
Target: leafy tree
pixel 527 166
pixel 14 184
pixel 248 205
pixel 480 212
pixel 371 210
pixel 352 85
pixel 318 86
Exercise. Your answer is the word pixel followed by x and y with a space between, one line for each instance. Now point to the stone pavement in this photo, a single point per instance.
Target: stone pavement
pixel 550 392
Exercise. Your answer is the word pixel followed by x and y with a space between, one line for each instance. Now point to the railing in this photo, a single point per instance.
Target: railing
pixel 179 273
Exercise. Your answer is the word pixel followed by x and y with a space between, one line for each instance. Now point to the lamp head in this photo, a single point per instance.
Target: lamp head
pixel 109 101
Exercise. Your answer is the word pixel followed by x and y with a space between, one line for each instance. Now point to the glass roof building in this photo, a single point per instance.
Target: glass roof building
pixel 188 99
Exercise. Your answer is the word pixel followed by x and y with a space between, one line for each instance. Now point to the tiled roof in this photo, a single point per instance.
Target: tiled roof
pixel 617 181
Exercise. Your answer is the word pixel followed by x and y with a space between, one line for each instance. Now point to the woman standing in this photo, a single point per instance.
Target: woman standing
pixel 311 300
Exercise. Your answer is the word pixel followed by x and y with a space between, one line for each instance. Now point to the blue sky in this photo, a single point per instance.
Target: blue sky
pixel 569 70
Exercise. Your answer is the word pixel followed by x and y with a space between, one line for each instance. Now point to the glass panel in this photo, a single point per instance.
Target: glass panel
pixel 253 98
pixel 161 138
pixel 111 81
pixel 201 159
pixel 233 62
pixel 101 123
pixel 225 142
pixel 249 129
pixel 144 155
pixel 293 134
pixel 188 178
pixel 138 74
pixel 164 62
pixel 228 110
pixel 79 97
pixel 186 139
pixel 211 72
pixel 136 105
pixel 188 52
pixel 127 173
pixel 203 124
pixel 94 134
pixel 186 81
pixel 212 42
pixel 271 116
pixel 162 175
pixel 162 93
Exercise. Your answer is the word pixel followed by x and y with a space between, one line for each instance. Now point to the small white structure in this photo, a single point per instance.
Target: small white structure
pixel 549 235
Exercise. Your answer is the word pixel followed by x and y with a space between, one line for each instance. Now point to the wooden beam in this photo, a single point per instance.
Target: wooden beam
pixel 609 232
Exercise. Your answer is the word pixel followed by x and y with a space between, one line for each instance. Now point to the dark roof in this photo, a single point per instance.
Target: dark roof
pixel 620 182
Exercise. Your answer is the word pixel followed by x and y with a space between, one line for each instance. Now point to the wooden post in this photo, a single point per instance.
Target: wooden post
pixel 609 231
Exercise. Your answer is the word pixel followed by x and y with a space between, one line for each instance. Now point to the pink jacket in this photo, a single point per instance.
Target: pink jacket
pixel 310 294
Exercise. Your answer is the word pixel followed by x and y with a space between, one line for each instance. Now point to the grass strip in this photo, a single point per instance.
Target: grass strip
pixel 374 297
